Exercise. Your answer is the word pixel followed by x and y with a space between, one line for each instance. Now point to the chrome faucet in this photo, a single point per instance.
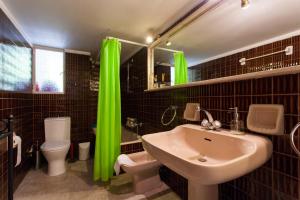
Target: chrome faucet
pixel 209 123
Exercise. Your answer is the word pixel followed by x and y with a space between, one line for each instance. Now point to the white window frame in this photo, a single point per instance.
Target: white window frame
pixel 34 67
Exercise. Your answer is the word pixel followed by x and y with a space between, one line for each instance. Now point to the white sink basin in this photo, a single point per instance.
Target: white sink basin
pixel 207 158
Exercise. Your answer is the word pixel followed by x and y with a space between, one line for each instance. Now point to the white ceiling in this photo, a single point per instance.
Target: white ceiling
pixel 82 24
pixel 229 28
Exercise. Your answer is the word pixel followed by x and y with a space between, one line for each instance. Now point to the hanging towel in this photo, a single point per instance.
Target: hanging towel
pixel 18 144
pixel 122 159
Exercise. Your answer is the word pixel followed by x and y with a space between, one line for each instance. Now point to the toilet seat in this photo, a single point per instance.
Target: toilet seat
pixel 55 145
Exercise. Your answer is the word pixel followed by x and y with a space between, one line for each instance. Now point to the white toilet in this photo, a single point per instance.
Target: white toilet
pixel 144 171
pixel 57 144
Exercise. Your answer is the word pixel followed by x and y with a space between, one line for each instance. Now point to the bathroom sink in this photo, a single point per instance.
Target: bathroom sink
pixel 207 158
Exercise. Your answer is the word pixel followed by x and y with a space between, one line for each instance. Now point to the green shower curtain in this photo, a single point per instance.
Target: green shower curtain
pixel 180 64
pixel 108 134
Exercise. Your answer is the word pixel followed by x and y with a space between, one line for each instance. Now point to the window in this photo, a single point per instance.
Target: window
pixel 49 71
pixel 15 68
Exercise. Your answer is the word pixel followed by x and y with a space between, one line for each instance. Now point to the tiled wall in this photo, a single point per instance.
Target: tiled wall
pixel 29 109
pixel 132 103
pixel 230 65
pixel 20 105
pixel 279 177
pixel 17 103
pixel 73 103
pixel 131 148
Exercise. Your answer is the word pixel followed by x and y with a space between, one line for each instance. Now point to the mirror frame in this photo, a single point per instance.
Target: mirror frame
pixel 188 19
pixel 202 8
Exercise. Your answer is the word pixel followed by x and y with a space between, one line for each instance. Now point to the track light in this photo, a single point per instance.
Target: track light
pixel 168 43
pixel 245 3
pixel 149 39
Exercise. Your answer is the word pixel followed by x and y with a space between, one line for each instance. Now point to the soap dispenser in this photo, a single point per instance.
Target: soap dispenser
pixel 236 125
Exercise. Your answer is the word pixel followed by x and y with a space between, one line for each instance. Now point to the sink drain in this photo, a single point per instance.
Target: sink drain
pixel 202 159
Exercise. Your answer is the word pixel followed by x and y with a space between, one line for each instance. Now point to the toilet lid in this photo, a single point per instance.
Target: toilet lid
pixel 55 145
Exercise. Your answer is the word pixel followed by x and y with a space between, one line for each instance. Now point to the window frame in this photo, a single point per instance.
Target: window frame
pixel 34 69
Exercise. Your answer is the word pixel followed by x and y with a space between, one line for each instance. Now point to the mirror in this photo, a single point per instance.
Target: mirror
pixel 228 40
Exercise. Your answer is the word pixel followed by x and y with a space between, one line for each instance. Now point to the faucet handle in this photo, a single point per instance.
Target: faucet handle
pixel 217 124
pixel 204 123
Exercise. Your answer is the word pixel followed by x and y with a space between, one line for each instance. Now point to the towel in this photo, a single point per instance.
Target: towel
pixel 122 159
pixel 18 144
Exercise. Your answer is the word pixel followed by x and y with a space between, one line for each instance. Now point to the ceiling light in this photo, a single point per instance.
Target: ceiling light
pixel 149 39
pixel 245 3
pixel 168 43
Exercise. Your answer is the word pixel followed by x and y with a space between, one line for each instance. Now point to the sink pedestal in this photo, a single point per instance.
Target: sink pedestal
pixel 196 191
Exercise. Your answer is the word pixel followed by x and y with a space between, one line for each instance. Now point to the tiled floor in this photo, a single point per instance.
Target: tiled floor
pixel 77 184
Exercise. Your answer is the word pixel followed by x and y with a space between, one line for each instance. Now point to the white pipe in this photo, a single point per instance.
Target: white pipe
pixel 137 44
pixel 128 42
pixel 141 44
pixel 165 49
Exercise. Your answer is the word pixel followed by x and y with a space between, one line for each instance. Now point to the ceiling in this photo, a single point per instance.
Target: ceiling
pixel 82 24
pixel 229 28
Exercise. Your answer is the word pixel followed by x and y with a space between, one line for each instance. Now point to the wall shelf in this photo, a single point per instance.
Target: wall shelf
pixel 247 76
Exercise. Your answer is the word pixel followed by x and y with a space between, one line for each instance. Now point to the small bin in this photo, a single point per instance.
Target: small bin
pixel 84 151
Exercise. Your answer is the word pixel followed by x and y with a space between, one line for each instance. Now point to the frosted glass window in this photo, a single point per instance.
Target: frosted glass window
pixel 15 68
pixel 49 71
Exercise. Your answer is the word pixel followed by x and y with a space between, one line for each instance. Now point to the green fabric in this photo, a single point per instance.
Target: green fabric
pixel 108 134
pixel 180 64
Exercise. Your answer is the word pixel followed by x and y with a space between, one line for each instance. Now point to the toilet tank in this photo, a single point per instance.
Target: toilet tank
pixel 57 129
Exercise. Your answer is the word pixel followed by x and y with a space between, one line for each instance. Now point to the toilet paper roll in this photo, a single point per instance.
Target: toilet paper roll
pixel 18 144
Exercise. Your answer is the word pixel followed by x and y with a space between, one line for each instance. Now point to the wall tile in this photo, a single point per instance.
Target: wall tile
pixel 279 177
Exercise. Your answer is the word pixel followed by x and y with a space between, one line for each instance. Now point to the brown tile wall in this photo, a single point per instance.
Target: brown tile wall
pixel 78 102
pixel 229 65
pixel 74 102
pixel 17 103
pixel 131 101
pixel 279 177
pixel 131 148
pixel 30 110
pixel 20 105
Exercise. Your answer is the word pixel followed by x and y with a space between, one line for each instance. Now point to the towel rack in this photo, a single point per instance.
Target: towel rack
pixel 7 132
pixel 292 138
pixel 288 51
pixel 170 108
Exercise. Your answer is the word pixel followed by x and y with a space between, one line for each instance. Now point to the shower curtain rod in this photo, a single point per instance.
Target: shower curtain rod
pixel 141 44
pixel 165 49
pixel 137 44
pixel 128 42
